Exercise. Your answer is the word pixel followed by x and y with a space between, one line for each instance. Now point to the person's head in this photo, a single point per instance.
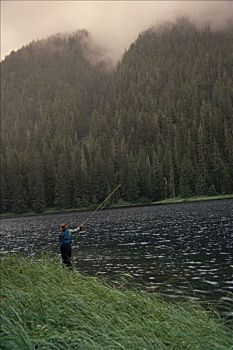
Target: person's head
pixel 63 227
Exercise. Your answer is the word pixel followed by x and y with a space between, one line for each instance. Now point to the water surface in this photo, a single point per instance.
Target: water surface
pixel 183 249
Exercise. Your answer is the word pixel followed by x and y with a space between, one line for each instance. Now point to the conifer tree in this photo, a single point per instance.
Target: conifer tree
pixel 4 195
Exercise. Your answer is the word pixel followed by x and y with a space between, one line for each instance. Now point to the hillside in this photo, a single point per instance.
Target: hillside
pixel 160 123
pixel 174 105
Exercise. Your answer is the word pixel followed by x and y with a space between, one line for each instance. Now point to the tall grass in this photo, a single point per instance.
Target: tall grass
pixel 45 306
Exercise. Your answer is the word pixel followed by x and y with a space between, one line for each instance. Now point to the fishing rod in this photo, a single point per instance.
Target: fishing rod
pixel 89 217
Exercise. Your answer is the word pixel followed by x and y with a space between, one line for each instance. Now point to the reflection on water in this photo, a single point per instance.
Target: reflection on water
pixel 173 250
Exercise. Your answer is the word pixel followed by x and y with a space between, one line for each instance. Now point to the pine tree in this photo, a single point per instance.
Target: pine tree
pixel 4 195
pixel 63 183
pixel 77 179
pixel 18 196
pixel 36 185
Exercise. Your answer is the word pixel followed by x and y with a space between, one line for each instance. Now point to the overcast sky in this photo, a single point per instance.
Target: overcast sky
pixel 114 24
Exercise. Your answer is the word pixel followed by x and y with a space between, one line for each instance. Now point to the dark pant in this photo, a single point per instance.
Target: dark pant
pixel 66 255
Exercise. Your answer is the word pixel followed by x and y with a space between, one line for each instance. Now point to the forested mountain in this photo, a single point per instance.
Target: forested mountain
pixel 160 123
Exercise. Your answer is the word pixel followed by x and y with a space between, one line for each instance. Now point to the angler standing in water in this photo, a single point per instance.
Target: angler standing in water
pixel 65 237
pixel 65 240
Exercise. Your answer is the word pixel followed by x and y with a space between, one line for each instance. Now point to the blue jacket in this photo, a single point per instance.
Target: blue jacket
pixel 65 237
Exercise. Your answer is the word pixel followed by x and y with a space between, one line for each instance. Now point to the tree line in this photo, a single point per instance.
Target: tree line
pixel 160 123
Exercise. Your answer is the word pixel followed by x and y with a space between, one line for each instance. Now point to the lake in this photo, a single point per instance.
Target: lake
pixel 182 250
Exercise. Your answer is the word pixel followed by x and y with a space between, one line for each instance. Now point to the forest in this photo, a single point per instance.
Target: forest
pixel 160 122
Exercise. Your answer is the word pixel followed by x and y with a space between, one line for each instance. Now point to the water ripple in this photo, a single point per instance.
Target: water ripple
pixel 174 250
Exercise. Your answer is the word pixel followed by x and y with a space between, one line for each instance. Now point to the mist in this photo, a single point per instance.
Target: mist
pixel 113 25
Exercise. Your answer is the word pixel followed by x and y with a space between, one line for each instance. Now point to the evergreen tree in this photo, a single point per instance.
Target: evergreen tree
pixel 4 195
pixel 36 185
pixel 18 196
pixel 63 183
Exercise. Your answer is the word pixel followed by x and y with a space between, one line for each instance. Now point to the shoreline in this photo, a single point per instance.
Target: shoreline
pixel 168 201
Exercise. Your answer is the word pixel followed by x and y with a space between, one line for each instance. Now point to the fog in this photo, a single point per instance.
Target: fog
pixel 114 25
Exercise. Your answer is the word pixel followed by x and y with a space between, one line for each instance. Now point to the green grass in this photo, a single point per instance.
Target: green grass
pixel 45 305
pixel 121 203
pixel 179 199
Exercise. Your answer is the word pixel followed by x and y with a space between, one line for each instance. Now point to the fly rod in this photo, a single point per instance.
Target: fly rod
pixel 89 217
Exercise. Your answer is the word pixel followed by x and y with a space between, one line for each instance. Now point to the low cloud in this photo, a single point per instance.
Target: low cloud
pixel 114 25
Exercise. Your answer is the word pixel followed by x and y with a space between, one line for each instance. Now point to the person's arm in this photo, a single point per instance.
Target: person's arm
pixel 77 229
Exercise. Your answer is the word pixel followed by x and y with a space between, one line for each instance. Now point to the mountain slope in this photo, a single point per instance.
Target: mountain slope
pixel 160 123
pixel 174 100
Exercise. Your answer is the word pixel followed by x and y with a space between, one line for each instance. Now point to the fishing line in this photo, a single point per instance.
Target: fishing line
pixel 99 206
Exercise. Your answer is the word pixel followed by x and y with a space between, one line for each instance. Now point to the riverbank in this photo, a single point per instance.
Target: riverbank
pixel 44 306
pixel 179 199
pixel 122 204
